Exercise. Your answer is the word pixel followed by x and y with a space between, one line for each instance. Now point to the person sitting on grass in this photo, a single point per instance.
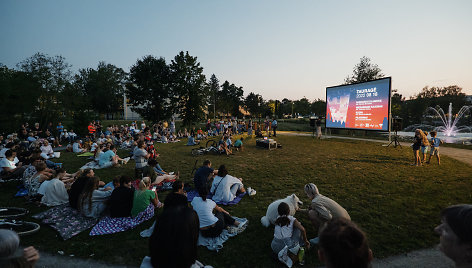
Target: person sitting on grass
pixel 78 186
pixel 110 158
pixel 77 147
pixel 435 143
pixel 46 150
pixel 10 170
pixel 121 200
pixel 343 244
pixel 192 141
pixel 455 233
pixel 322 209
pixel 203 175
pixel 141 157
pixel 157 178
pixel 226 187
pixel 11 255
pixel 143 197
pixel 177 198
pixel 289 236
pixel 238 144
pixel 55 192
pixel 223 146
pixel 173 243
pixel 211 225
pixel 33 183
pixel 92 201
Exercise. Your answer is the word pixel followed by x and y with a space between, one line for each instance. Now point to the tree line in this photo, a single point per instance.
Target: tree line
pixel 43 89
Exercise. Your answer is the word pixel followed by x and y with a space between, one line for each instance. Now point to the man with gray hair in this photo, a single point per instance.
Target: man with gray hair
pixel 322 209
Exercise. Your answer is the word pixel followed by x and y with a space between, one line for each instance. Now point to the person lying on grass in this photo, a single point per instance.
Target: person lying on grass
pixel 157 176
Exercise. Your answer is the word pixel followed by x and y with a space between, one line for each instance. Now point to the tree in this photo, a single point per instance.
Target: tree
pixel 148 90
pixel 232 97
pixel 318 107
pixel 254 104
pixel 189 87
pixel 302 106
pixel 53 75
pixel 214 85
pixel 19 101
pixel 103 87
pixel 364 71
pixel 396 102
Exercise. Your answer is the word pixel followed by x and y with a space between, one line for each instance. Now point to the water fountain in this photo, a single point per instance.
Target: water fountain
pixel 449 126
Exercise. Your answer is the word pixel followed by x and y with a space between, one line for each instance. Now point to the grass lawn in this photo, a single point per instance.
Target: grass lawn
pixel 395 203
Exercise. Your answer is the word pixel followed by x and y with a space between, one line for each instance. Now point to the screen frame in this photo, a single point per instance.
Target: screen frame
pixel 389 104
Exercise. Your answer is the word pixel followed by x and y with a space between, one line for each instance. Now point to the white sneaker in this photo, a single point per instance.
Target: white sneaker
pixel 284 258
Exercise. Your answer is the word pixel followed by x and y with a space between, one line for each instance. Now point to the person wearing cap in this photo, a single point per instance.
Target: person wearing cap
pixel 322 209
pixel 11 255
pixel 455 233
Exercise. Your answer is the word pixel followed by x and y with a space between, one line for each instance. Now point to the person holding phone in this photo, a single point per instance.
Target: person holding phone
pixel 143 197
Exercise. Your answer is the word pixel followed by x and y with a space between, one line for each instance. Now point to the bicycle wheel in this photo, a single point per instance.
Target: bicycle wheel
pixel 20 227
pixel 196 151
pixel 211 143
pixel 12 212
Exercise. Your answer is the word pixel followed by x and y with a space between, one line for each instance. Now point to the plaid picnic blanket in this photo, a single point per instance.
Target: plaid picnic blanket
pixel 109 225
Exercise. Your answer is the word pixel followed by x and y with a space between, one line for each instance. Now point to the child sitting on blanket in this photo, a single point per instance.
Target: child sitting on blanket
pixel 289 234
pixel 143 197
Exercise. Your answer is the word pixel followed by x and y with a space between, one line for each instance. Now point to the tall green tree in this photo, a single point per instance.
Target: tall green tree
pixel 364 71
pixel 231 98
pixel 302 106
pixel 318 107
pixel 53 74
pixel 189 87
pixel 103 87
pixel 254 104
pixel 149 90
pixel 214 85
pixel 20 98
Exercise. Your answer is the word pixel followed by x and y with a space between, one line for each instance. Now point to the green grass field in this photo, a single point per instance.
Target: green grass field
pixel 395 203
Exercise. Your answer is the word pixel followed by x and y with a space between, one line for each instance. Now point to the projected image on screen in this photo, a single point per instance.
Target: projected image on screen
pixel 359 106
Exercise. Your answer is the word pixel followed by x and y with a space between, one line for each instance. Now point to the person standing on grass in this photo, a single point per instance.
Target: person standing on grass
pixel 416 146
pixel 435 142
pixel 274 127
pixel 322 209
pixel 455 233
pixel 424 146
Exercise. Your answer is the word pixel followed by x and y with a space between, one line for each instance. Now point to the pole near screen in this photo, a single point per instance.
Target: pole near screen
pixel 390 113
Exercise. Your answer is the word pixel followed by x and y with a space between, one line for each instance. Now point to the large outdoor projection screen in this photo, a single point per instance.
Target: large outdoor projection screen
pixel 359 106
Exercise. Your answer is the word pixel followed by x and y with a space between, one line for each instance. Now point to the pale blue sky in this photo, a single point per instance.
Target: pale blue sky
pixel 275 48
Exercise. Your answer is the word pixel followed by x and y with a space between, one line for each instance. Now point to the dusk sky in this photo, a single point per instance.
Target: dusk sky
pixel 279 49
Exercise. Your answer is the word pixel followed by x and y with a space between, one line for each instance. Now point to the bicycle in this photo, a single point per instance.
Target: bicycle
pixel 20 227
pixel 211 147
pixel 8 220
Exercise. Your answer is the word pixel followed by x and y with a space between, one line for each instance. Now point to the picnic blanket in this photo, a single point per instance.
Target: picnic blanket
pixel 67 221
pixel 114 225
pixel 216 243
pixel 95 165
pixel 85 154
pixel 193 193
